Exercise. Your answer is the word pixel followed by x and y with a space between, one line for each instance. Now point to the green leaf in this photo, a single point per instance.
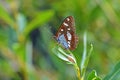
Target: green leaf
pixel 62 54
pixel 86 57
pixel 39 20
pixel 93 76
pixel 4 15
pixel 114 73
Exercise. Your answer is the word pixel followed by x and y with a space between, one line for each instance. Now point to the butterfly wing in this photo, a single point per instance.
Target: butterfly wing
pixel 66 34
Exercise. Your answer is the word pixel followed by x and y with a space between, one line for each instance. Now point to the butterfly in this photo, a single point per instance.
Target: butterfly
pixel 66 34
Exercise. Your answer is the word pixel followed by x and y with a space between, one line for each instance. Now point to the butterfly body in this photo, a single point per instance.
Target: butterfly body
pixel 66 34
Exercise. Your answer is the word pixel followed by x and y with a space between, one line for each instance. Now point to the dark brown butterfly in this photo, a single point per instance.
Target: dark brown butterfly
pixel 66 34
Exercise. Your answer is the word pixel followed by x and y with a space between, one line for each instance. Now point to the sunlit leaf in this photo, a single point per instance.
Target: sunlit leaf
pixel 39 20
pixel 5 16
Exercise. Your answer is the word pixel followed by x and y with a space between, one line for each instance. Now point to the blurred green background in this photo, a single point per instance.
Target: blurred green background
pixel 27 28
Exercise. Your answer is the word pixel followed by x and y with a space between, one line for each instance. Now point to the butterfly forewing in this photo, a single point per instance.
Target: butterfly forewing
pixel 66 34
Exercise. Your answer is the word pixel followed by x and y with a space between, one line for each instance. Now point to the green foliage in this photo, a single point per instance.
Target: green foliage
pixel 28 50
pixel 93 76
pixel 37 21
pixel 114 73
pixel 6 17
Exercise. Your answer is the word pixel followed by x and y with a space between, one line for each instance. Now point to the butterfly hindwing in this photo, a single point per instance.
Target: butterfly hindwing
pixel 66 34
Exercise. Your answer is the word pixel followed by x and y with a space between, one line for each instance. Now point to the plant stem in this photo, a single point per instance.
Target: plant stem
pixel 78 72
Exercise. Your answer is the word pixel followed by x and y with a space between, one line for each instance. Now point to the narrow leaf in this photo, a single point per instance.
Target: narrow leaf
pixel 86 57
pixel 60 53
pixel 115 72
pixel 40 19
pixel 4 15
